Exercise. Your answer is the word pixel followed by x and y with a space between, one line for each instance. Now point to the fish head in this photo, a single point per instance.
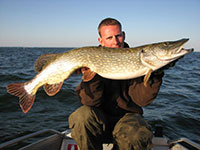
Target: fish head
pixel 158 55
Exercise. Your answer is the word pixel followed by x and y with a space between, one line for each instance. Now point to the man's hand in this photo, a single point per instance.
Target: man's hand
pixel 87 74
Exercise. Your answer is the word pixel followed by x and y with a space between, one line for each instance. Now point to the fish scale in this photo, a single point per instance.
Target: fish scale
pixel 111 63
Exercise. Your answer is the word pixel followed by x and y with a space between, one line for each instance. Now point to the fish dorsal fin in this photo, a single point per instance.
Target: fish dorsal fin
pixel 43 60
pixel 52 89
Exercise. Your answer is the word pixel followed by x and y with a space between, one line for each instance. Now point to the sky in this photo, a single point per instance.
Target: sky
pixel 73 23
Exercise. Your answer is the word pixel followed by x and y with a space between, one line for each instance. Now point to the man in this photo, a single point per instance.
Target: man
pixel 111 110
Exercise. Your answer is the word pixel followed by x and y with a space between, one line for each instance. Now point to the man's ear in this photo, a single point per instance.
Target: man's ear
pixel 124 35
pixel 100 40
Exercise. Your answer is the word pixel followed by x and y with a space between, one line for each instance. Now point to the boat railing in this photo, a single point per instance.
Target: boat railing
pixel 184 142
pixel 25 137
pixel 63 141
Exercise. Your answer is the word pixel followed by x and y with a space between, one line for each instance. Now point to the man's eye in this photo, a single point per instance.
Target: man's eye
pixel 109 38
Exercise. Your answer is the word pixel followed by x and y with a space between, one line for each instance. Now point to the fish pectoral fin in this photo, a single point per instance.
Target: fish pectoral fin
pixel 43 61
pixel 88 75
pixel 52 89
pixel 25 100
pixel 147 76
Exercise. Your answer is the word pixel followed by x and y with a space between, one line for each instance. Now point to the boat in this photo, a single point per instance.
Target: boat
pixel 63 141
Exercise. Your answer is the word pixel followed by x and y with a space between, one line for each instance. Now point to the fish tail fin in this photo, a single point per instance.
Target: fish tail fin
pixel 52 89
pixel 26 100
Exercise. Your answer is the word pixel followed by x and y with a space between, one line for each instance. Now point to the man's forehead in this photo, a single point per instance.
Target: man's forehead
pixel 110 30
pixel 110 27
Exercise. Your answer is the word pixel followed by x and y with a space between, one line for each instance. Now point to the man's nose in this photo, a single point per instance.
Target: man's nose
pixel 115 40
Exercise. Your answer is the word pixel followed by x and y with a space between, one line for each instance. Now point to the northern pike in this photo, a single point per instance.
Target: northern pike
pixel 111 63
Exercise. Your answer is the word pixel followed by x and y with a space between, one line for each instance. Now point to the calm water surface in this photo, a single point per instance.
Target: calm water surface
pixel 176 108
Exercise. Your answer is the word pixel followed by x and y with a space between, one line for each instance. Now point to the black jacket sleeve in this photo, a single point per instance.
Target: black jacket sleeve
pixel 141 95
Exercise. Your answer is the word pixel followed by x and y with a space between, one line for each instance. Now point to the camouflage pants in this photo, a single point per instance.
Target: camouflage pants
pixel 91 128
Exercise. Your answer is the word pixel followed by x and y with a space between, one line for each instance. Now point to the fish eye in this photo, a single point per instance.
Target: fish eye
pixel 165 44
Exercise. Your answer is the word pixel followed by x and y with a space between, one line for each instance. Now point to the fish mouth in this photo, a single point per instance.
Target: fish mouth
pixel 179 53
pixel 176 51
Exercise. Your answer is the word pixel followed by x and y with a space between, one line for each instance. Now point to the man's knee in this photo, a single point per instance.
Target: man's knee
pixel 132 131
pixel 143 138
pixel 82 115
pixel 87 124
pixel 88 117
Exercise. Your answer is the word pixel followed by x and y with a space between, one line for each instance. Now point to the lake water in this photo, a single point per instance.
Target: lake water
pixel 176 108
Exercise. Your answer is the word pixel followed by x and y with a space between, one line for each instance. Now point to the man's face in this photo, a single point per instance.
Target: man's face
pixel 111 36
